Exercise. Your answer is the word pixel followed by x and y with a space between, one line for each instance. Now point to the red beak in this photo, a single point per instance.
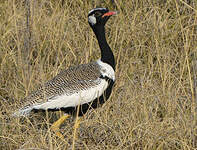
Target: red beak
pixel 110 13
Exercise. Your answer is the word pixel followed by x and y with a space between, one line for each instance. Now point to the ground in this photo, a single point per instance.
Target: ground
pixel 153 104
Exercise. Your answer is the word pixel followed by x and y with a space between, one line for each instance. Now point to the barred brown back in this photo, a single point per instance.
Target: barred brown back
pixel 68 82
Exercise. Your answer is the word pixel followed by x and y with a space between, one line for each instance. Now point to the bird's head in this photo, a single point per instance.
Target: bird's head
pixel 99 16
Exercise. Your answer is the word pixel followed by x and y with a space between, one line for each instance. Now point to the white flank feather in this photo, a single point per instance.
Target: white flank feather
pixel 79 98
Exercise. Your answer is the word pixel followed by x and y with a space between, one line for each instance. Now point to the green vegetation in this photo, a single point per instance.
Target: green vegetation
pixel 153 105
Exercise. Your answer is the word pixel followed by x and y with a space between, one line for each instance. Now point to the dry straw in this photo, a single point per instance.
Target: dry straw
pixel 153 104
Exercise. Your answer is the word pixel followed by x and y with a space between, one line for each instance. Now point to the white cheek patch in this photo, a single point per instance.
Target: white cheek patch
pixel 92 20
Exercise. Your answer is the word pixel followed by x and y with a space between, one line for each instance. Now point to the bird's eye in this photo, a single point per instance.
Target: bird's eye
pixel 97 14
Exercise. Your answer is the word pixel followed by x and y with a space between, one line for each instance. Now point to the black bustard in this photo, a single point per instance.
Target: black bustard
pixel 79 88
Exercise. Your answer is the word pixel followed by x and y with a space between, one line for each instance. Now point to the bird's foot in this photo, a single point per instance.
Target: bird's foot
pixel 55 126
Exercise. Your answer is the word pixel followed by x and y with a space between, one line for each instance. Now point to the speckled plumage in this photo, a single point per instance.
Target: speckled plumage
pixel 84 86
pixel 67 82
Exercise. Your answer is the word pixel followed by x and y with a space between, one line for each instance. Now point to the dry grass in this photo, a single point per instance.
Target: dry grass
pixel 153 102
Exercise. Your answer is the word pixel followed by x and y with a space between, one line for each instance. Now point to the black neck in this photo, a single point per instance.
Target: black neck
pixel 106 52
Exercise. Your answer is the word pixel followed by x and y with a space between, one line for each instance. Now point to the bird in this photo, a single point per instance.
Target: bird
pixel 78 88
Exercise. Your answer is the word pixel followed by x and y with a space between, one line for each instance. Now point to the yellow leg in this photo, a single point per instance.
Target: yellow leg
pixel 55 126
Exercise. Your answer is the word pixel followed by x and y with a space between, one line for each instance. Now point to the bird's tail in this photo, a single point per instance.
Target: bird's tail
pixel 22 112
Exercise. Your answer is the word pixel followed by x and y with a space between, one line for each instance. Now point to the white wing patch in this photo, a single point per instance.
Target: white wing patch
pixel 106 70
pixel 81 97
